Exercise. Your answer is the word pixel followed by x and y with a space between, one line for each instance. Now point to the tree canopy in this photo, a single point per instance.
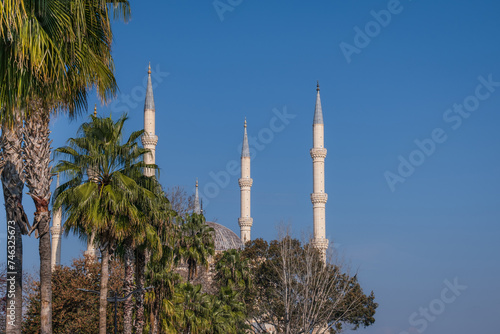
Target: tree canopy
pixel 295 292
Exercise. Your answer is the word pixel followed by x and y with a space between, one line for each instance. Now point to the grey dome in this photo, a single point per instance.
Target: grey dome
pixel 224 238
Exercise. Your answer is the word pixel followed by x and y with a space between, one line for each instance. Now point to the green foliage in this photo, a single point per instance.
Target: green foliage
pixel 57 50
pixel 161 276
pixel 108 201
pixel 195 243
pixel 232 270
pixel 106 195
pixel 195 312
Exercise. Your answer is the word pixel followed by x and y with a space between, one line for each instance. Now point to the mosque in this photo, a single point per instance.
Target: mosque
pixel 224 238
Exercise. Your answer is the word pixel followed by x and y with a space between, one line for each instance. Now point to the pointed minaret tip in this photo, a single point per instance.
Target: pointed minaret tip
pixel 95 110
pixel 318 112
pixel 149 103
pixel 245 150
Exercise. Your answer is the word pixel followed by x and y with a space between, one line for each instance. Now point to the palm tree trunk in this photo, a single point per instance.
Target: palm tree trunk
pixel 17 222
pixel 140 280
pixel 128 305
pixel 38 179
pixel 154 318
pixel 15 266
pixel 103 296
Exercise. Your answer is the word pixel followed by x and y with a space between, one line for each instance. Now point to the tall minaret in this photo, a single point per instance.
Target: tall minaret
pixel 197 207
pixel 91 173
pixel 56 235
pixel 319 197
pixel 245 221
pixel 149 139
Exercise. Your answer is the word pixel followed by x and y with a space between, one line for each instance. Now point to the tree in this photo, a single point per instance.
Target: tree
pixel 189 310
pixel 28 290
pixel 192 311
pixel 107 204
pixel 296 292
pixel 161 276
pixel 234 282
pixel 158 228
pixel 195 243
pixel 52 52
pixel 128 259
pixel 232 270
pixel 181 202
pixel 228 311
pixel 12 176
pixel 145 240
pixel 76 311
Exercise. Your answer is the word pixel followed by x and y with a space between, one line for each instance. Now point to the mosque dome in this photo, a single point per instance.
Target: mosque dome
pixel 224 238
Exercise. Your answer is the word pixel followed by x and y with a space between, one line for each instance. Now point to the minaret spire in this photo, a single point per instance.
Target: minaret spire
pixel 319 197
pixel 245 221
pixel 318 112
pixel 56 236
pixel 149 139
pixel 149 103
pixel 245 150
pixel 197 207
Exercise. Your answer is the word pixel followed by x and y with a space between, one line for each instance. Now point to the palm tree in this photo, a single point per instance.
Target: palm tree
pixel 232 270
pixel 228 312
pixel 13 183
pixel 195 243
pixel 128 286
pixel 155 258
pixel 148 241
pixel 51 53
pixel 191 309
pixel 106 205
pixel 234 279
pixel 161 276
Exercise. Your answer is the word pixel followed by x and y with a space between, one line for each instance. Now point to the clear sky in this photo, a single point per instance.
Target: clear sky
pixel 411 96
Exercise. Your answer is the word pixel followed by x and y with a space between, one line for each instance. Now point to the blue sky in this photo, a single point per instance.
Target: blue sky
pixel 410 241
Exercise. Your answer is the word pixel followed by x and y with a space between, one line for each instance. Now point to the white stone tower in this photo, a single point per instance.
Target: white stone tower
pixel 56 236
pixel 149 139
pixel 319 197
pixel 197 207
pixel 245 221
pixel 91 249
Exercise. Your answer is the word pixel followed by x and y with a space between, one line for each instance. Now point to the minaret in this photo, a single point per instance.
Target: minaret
pixel 319 197
pixel 91 251
pixel 197 207
pixel 149 139
pixel 245 221
pixel 56 236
